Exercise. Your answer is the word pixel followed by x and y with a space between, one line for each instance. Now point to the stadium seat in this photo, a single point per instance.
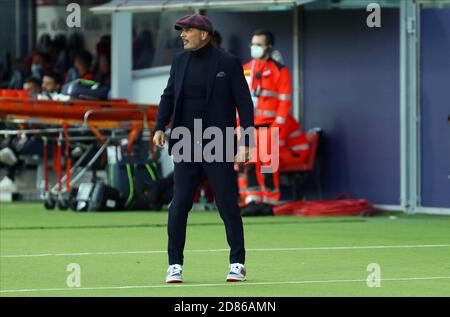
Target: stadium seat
pixel 298 173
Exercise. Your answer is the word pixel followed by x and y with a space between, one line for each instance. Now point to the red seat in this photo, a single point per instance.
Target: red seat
pixel 298 173
pixel 308 166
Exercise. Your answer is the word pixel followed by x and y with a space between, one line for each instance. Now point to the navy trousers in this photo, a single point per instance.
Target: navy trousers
pixel 223 180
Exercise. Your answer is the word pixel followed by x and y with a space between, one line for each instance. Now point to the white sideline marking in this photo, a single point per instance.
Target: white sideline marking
pixel 216 284
pixel 227 250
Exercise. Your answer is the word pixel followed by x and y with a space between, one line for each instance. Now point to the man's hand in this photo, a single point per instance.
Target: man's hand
pixel 243 155
pixel 159 138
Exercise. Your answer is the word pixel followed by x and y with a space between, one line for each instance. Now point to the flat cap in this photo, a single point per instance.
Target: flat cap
pixel 196 21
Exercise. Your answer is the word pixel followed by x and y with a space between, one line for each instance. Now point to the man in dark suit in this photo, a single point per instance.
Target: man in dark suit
pixel 205 84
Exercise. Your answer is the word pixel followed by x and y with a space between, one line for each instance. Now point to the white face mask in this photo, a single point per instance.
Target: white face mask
pixel 257 51
pixel 36 70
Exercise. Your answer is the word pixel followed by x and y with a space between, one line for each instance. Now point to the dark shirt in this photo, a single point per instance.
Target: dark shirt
pixel 195 86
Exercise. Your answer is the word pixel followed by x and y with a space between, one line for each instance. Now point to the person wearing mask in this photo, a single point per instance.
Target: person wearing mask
pixel 270 86
pixel 41 63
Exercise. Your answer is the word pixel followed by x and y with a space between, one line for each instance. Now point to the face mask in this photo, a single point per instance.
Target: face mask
pixel 257 51
pixel 36 70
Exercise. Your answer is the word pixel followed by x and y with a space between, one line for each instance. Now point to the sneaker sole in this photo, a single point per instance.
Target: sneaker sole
pixel 234 279
pixel 174 281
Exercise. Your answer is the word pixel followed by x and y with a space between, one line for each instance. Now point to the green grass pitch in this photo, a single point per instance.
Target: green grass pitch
pixel 123 254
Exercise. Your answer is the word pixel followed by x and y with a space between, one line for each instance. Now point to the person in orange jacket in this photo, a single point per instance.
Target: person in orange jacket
pixel 270 86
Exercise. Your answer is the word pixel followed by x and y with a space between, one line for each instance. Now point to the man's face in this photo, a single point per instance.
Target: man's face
pixel 260 40
pixel 49 85
pixel 193 39
pixel 31 88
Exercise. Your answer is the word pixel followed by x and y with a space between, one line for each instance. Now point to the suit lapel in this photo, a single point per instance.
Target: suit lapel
pixel 212 74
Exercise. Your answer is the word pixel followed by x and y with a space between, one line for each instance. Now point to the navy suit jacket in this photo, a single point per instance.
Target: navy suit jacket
pixel 227 90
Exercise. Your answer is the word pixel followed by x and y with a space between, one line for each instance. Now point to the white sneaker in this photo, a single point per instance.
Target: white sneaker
pixel 174 274
pixel 237 273
pixel 7 185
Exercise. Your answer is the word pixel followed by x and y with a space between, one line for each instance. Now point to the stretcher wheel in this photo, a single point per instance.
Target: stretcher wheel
pixel 73 199
pixel 73 204
pixel 63 204
pixel 49 203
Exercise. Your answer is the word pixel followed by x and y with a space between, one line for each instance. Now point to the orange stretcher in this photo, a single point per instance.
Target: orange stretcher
pixel 58 119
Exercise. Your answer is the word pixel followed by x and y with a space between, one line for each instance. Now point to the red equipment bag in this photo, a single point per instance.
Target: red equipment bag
pixel 339 207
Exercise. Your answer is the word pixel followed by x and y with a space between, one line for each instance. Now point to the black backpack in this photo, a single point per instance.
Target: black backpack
pixel 136 180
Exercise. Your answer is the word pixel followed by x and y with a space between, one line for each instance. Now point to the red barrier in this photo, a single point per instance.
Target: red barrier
pixel 14 93
pixel 339 207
